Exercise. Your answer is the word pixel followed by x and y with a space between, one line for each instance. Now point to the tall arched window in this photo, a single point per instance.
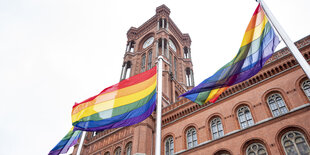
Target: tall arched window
pixel 117 151
pixel 149 60
pixel 256 149
pixel 277 104
pixel 294 143
pixel 216 128
pixel 191 138
pixel 169 146
pixel 107 153
pixel 143 63
pixel 306 88
pixel 128 148
pixel 245 117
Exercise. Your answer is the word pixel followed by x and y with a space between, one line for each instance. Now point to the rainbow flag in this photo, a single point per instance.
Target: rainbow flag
pixel 258 45
pixel 126 103
pixel 69 140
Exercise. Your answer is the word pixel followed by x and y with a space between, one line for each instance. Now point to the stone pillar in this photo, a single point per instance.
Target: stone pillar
pixel 129 47
pixel 162 46
pixel 167 25
pixel 158 24
pixel 167 50
pixel 163 23
pixel 192 78
pixel 124 71
pixel 156 48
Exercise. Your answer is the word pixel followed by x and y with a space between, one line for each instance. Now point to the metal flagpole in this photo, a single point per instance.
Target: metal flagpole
pixel 159 105
pixel 81 143
pixel 290 45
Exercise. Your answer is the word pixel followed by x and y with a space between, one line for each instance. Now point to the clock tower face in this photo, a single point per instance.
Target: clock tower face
pixel 148 42
pixel 171 44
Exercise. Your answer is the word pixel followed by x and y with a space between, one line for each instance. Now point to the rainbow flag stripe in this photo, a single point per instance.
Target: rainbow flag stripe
pixel 126 103
pixel 258 45
pixel 69 140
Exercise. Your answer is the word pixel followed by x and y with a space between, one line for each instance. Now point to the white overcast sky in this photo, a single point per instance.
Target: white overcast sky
pixel 57 52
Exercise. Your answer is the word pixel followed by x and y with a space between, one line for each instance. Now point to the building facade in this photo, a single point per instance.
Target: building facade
pixel 268 114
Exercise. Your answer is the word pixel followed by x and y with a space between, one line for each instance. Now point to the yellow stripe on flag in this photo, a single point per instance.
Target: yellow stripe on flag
pixel 113 103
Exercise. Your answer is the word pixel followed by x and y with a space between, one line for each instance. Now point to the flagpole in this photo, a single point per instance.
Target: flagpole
pixel 81 143
pixel 296 53
pixel 159 105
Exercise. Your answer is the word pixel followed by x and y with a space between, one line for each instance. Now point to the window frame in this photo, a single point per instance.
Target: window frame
pixel 256 151
pixel 143 60
pixel 170 141
pixel 296 134
pixel 128 148
pixel 192 133
pixel 149 60
pixel 216 120
pixel 277 104
pixel 302 85
pixel 243 109
pixel 118 151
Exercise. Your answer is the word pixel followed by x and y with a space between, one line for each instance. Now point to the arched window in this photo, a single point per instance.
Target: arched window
pixel 256 149
pixel 117 151
pixel 128 148
pixel 143 63
pixel 222 152
pixel 149 60
pixel 107 153
pixel 169 146
pixel 245 117
pixel 276 104
pixel 191 137
pixel 216 128
pixel 306 88
pixel 294 143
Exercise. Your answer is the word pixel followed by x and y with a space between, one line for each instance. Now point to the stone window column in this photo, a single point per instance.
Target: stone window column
pixel 129 47
pixel 162 46
pixel 123 71
pixel 156 50
pixel 192 78
pixel 163 23
pixel 167 50
pixel 158 24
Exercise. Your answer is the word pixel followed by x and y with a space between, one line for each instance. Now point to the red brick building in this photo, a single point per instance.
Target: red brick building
pixel 266 114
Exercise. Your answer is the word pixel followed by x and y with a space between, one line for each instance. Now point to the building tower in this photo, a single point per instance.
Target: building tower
pixel 157 36
pixel 160 36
